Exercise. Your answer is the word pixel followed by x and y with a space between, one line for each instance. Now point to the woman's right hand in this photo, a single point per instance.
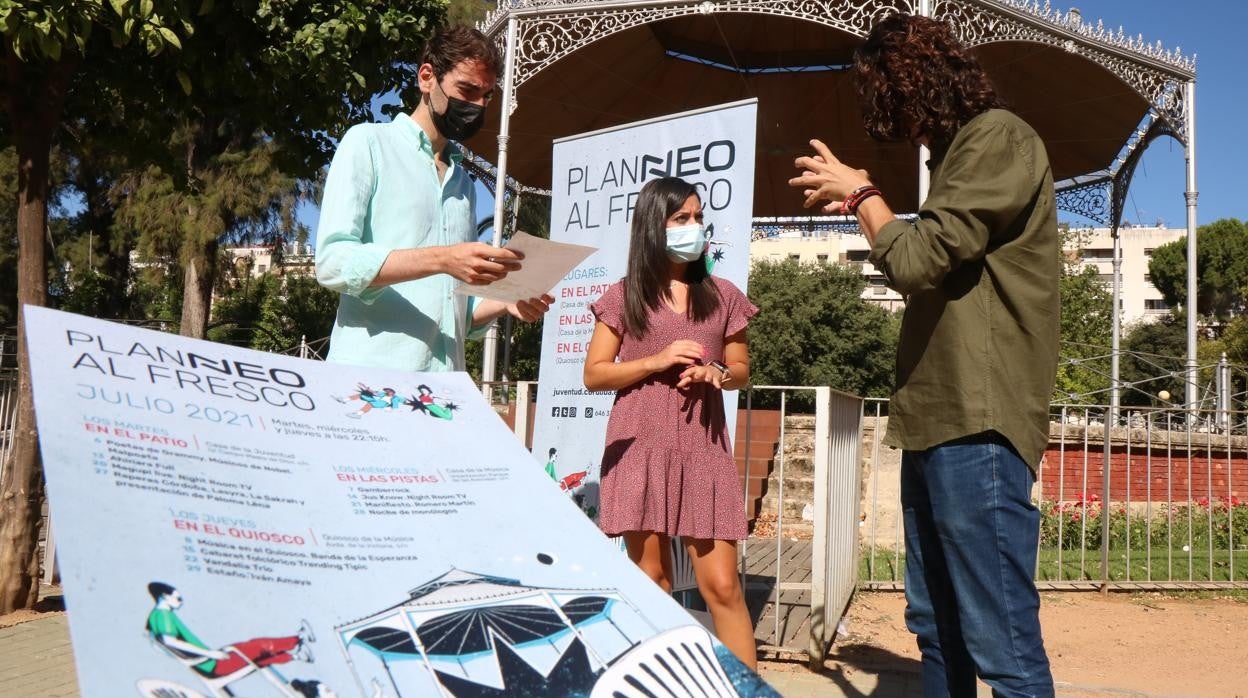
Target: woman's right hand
pixel 682 352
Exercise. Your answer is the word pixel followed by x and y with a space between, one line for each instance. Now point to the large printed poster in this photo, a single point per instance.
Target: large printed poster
pixel 594 188
pixel 231 522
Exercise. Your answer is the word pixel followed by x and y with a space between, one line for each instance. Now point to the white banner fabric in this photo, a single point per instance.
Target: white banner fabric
pixel 232 522
pixel 596 180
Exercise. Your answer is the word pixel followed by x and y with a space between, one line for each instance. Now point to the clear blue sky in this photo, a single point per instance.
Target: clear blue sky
pixel 1214 31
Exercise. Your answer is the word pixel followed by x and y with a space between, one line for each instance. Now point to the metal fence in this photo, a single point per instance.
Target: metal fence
pixel 799 568
pixel 1158 499
pixel 8 414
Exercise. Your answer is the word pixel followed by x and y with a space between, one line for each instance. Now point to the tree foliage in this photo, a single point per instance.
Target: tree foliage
pixel 299 309
pixel 1154 360
pixel 1086 330
pixel 1221 268
pixel 814 328
pixel 203 88
pixel 43 45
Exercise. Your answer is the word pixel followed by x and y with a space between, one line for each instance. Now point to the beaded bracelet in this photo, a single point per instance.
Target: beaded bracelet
pixel 857 196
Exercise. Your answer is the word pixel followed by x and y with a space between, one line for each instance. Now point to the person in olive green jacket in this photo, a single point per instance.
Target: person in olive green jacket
pixel 978 350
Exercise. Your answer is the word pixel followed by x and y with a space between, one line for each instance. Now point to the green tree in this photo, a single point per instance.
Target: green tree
pixel 1235 340
pixel 241 300
pixel 95 274
pixel 283 73
pixel 45 44
pixel 240 195
pixel 1153 361
pixel 467 12
pixel 298 308
pixel 814 328
pixel 1086 331
pixel 1221 268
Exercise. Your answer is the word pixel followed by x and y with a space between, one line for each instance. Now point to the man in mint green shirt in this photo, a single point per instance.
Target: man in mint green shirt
pixel 397 232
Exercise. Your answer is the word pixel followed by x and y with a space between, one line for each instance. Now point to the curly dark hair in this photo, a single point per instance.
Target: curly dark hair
pixel 914 78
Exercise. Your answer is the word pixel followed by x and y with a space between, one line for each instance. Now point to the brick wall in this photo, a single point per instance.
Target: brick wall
pixel 1208 473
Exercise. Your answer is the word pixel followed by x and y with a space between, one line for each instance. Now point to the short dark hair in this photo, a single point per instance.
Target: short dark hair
pixel 453 45
pixel 914 78
pixel 159 589
pixel 645 282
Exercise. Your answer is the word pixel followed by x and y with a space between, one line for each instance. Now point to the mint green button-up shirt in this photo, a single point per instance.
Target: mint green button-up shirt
pixel 382 194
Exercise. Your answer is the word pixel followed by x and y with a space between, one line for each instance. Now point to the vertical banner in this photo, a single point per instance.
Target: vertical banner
pixel 597 177
pixel 231 522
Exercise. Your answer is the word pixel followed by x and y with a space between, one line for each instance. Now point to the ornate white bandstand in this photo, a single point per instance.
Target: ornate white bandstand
pixel 1097 96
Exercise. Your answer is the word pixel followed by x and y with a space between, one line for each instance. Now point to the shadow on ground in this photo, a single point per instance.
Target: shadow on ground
pixel 894 673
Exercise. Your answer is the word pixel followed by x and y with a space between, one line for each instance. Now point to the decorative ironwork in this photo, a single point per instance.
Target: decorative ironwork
pixel 1072 22
pixel 548 30
pixel 546 38
pixel 1090 200
pixel 764 227
pixel 1151 130
pixel 1154 73
pixel 484 171
pixel 1101 196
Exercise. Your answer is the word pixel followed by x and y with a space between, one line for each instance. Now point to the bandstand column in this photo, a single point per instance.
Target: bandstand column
pixel 925 153
pixel 1189 151
pixel 490 352
pixel 1115 374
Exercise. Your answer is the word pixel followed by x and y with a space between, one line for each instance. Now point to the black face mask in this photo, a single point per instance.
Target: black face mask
pixel 460 121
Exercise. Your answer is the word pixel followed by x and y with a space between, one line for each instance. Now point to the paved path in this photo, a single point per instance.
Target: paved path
pixel 36 660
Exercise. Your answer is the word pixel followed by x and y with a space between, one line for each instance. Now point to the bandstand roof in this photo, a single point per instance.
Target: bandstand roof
pixel 581 66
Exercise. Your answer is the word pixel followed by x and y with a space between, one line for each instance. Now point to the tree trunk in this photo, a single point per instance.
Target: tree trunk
pixel 197 292
pixel 35 96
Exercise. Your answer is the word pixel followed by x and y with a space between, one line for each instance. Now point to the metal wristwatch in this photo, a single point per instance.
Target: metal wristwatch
pixel 724 374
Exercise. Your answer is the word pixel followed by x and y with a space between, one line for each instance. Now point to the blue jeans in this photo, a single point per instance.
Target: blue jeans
pixel 971 537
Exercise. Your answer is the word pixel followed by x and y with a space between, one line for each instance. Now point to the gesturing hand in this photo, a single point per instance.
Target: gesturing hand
pixel 478 263
pixel 531 310
pixel 684 352
pixel 826 179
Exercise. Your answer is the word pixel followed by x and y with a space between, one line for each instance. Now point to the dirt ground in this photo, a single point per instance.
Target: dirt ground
pixel 1143 644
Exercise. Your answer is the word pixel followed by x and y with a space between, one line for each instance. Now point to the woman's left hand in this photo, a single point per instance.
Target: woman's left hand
pixel 700 374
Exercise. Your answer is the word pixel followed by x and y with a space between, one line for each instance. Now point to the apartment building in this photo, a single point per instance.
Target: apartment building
pixel 1141 301
pixel 291 260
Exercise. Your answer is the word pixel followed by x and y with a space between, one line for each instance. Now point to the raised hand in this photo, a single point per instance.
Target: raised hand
pixel 825 179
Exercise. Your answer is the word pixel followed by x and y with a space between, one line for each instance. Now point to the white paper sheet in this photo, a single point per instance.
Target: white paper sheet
pixel 545 264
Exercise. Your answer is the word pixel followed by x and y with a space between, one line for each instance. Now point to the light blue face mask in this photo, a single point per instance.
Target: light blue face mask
pixel 685 243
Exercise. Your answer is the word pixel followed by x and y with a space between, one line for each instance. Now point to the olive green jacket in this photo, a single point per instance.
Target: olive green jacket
pixel 979 269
